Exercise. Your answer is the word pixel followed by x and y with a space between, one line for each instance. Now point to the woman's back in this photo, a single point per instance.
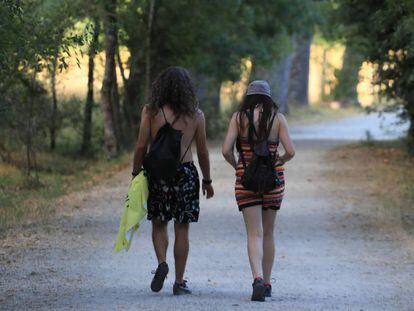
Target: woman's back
pixel 186 124
pixel 243 125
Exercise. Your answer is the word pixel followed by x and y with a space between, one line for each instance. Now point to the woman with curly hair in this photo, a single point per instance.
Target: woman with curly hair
pixel 173 101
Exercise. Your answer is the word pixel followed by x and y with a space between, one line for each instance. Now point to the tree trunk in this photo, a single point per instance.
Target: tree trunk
pixel 5 154
pixel 125 109
pixel 151 10
pixel 299 76
pixel 108 94
pixel 87 121
pixel 53 116
pixel 348 77
pixel 283 73
pixel 410 112
pixel 117 108
pixel 119 129
pixel 278 78
pixel 208 92
pixel 120 65
pixel 30 127
pixel 323 75
pixel 133 88
pixel 29 146
pixel 410 135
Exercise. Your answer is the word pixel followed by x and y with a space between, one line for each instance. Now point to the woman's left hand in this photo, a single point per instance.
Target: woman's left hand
pixel 208 190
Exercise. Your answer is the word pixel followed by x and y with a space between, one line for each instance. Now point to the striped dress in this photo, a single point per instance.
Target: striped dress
pixel 247 198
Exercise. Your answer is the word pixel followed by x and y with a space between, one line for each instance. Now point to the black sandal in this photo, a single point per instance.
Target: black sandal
pixel 159 277
pixel 181 289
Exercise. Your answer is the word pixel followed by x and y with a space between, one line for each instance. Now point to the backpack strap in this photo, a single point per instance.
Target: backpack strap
pixel 239 149
pixel 165 118
pixel 269 129
pixel 189 145
pixel 251 123
pixel 163 113
pixel 252 128
pixel 238 144
pixel 270 125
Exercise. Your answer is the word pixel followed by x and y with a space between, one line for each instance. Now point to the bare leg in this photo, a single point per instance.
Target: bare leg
pixel 253 220
pixel 181 247
pixel 268 219
pixel 160 239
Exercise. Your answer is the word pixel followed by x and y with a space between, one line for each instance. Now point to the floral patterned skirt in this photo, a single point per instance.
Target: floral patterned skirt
pixel 179 201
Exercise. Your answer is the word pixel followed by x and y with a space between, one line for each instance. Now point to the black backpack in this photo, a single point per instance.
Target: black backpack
pixel 260 175
pixel 162 162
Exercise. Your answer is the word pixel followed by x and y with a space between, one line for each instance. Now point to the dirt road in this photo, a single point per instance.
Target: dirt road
pixel 379 126
pixel 334 251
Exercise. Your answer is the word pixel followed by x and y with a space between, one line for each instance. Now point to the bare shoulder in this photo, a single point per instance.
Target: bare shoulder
pixel 282 119
pixel 199 115
pixel 235 114
pixel 145 114
pixel 146 111
pixel 235 117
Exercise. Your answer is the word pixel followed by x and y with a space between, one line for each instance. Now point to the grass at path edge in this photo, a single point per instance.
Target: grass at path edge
pixel 23 202
pixel 385 169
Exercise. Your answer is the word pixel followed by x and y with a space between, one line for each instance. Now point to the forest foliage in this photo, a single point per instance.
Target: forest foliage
pixel 383 32
pixel 210 38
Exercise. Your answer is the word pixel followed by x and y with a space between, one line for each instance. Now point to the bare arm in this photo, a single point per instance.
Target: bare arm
pixel 285 139
pixel 229 141
pixel 144 135
pixel 202 152
pixel 203 156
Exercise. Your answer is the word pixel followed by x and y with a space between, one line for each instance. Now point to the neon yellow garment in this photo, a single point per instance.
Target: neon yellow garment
pixel 135 209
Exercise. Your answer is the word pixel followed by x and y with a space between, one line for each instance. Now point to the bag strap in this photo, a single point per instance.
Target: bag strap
pixel 238 144
pixel 250 117
pixel 252 127
pixel 163 113
pixel 165 118
pixel 189 145
pixel 270 125
pixel 269 129
pixel 240 150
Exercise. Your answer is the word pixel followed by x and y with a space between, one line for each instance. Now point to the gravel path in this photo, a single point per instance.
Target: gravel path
pixel 335 251
pixel 379 126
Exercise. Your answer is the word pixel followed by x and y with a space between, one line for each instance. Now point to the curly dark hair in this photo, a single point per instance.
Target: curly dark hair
pixel 174 87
